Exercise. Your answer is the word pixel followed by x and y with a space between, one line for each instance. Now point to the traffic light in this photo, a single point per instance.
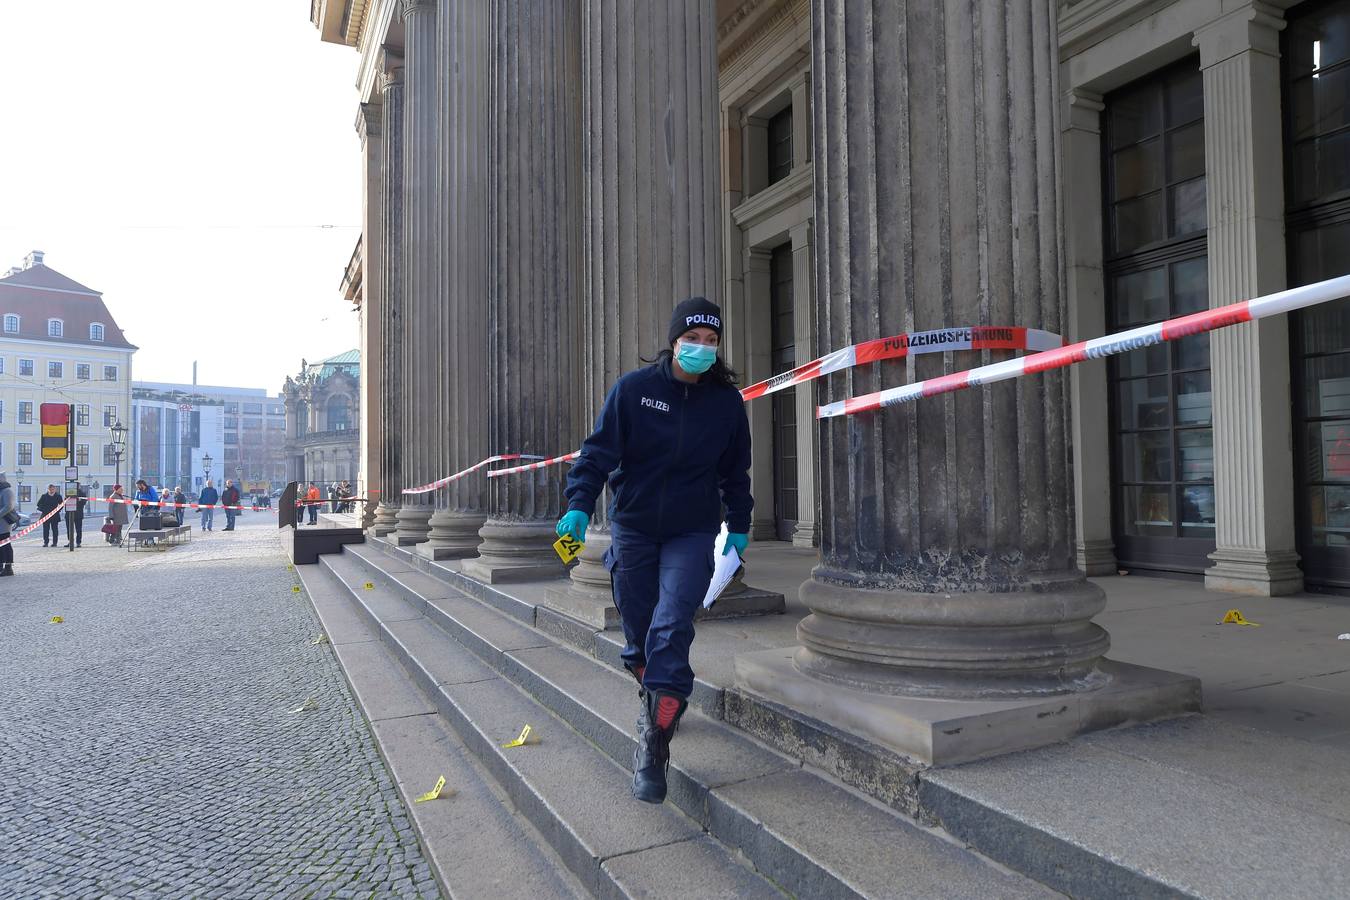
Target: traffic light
pixel 56 430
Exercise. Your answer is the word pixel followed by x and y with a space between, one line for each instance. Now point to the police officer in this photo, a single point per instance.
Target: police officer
pixel 673 443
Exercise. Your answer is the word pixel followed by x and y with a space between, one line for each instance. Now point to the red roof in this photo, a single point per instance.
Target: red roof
pixel 38 293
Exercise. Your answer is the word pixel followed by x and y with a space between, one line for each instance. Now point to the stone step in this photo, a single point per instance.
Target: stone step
pixel 399 568
pixel 807 834
pixel 478 822
pixel 567 788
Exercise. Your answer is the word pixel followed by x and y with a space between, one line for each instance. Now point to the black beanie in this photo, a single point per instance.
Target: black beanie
pixel 695 312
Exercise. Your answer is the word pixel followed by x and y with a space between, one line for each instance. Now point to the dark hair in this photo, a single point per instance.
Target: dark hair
pixel 720 373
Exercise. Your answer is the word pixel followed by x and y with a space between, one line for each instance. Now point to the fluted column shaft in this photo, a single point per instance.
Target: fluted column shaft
pixel 536 351
pixel 1249 364
pixel 464 88
pixel 369 468
pixel 423 420
pixel 651 192
pixel 391 308
pixel 947 563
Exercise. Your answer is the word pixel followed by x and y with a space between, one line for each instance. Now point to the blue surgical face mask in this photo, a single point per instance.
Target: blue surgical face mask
pixel 695 358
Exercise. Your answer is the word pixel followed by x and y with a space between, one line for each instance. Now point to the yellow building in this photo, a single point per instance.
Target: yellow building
pixel 59 344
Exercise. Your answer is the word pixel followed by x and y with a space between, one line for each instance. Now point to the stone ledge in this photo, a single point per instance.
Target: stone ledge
pixel 936 732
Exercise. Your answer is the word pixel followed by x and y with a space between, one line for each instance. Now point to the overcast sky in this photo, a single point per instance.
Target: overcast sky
pixel 195 162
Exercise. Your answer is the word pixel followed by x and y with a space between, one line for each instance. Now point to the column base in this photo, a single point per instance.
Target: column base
pixel 1097 558
pixel 1259 573
pixel 807 534
pixel 941 732
pixel 515 550
pixel 587 596
pixel 453 535
pixel 1028 637
pixel 386 519
pixel 413 525
pixel 763 530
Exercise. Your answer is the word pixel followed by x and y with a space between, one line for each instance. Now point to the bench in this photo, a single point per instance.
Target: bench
pixel 162 537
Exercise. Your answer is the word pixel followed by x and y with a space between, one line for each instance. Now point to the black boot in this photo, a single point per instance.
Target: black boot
pixel 6 569
pixel 652 757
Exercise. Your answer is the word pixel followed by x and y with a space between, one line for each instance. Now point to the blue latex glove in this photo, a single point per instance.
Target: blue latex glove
pixel 573 523
pixel 739 541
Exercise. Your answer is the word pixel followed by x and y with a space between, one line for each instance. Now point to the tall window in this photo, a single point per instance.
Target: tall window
pixel 1316 61
pixel 2 412
pixel 109 455
pixel 339 414
pixel 25 453
pixel 1156 268
pixel 82 371
pixel 109 416
pixel 26 368
pixel 783 357
pixel 55 328
pixel 11 324
pixel 81 454
pixel 25 412
pixel 55 369
pixel 82 414
pixel 25 493
pixel 780 146
pixel 110 373
pixel 95 332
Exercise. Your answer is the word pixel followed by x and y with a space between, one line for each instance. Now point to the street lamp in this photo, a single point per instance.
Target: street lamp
pixel 18 475
pixel 119 442
pixel 206 466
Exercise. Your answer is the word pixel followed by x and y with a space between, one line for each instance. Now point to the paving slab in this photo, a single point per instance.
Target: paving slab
pixel 478 845
pixel 1095 823
pixel 1311 777
pixel 445 663
pixel 831 843
pixel 484 630
pixel 1289 708
pixel 694 868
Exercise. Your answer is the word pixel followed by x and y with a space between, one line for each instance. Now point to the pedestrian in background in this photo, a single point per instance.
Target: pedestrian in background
pixel 75 518
pixel 206 502
pixel 312 500
pixel 46 503
pixel 119 513
pixel 333 497
pixel 230 499
pixel 180 505
pixel 9 517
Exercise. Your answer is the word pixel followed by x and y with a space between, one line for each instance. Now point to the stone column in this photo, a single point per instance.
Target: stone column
pixel 390 276
pixel 536 347
pixel 756 336
pixel 421 224
pixel 1249 364
pixel 368 474
pixel 650 199
pixel 464 86
pixel 807 532
pixel 1081 150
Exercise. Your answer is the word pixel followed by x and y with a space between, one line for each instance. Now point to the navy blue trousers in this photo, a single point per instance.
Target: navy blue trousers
pixel 658 587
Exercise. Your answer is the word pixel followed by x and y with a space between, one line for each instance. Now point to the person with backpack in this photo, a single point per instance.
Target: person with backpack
pixel 9 519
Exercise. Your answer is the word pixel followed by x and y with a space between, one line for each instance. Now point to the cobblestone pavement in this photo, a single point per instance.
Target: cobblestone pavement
pixel 149 745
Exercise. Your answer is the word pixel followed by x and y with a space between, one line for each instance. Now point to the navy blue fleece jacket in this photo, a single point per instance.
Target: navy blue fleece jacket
pixel 674 454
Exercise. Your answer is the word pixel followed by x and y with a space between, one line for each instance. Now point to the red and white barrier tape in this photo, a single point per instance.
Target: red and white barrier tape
pixel 501 457
pixel 940 340
pixel 1109 345
pixel 557 460
pixel 29 529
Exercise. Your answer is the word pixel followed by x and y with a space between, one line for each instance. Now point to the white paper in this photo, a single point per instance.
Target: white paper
pixel 723 572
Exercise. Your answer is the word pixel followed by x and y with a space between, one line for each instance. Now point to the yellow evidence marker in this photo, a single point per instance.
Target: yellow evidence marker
pixel 370 585
pixel 1234 617
pixel 295 589
pixel 522 740
pixel 57 620
pixel 567 548
pixel 321 639
pixel 434 793
pixel 309 704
